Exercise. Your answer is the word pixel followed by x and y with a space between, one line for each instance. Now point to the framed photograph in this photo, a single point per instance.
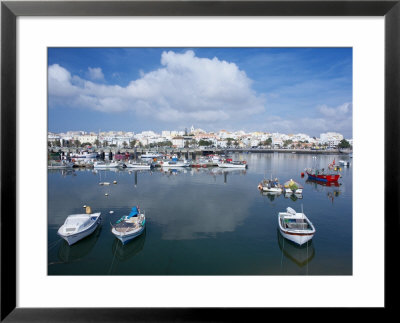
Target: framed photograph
pixel 183 154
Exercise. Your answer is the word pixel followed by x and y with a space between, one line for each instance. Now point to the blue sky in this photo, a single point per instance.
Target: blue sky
pixel 287 90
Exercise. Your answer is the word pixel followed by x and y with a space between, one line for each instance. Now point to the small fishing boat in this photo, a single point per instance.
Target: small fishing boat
pixel 85 154
pixel 174 162
pixel 79 226
pixel 101 164
pixel 59 164
pixel 151 155
pixel 295 227
pixel 271 185
pixel 129 226
pixel 321 175
pixel 292 187
pixel 232 164
pixel 138 165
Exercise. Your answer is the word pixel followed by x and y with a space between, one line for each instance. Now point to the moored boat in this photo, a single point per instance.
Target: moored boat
pixel 138 165
pixel 59 164
pixel 271 186
pixel 174 162
pixel 295 227
pixel 151 155
pixel 292 187
pixel 101 164
pixel 79 226
pixel 232 164
pixel 129 226
pixel 321 175
pixel 85 154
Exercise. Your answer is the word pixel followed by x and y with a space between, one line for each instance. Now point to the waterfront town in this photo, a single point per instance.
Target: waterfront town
pixel 197 138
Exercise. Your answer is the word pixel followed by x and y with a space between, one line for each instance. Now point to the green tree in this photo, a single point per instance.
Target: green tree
pixel 86 144
pixel 132 143
pixel 344 144
pixel 124 144
pixel 105 143
pixel 268 142
pixel 97 143
pixel 77 143
pixel 229 141
pixel 287 142
pixel 203 142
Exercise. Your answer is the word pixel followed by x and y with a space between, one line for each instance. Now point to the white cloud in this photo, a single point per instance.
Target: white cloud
pixel 337 119
pixel 95 73
pixel 340 112
pixel 186 88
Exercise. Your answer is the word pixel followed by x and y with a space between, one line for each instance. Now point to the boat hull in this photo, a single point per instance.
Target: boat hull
pixel 272 189
pixel 125 238
pixel 138 166
pixel 291 226
pixel 227 165
pixel 74 238
pixel 324 178
pixel 298 238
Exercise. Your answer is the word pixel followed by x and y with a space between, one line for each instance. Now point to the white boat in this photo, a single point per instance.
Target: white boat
pixel 79 226
pixel 85 154
pixel 150 155
pixel 174 163
pixel 101 164
pixel 271 186
pixel 233 164
pixel 344 162
pixel 295 227
pixel 60 164
pixel 292 187
pixel 138 165
pixel 129 226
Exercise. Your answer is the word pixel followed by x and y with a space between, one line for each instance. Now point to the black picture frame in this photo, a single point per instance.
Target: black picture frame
pixel 10 10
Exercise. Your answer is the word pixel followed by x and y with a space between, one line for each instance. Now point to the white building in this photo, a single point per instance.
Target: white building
pixel 332 139
pixel 178 142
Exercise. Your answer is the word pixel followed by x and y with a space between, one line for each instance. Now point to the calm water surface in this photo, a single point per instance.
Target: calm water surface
pixel 203 221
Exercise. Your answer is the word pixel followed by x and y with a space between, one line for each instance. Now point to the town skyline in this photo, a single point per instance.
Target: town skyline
pixel 289 90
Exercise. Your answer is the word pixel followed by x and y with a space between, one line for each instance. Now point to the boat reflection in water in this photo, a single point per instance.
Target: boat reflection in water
pixel 63 172
pixel 331 194
pixel 316 183
pixel 132 248
pixel 294 196
pixel 300 255
pixel 271 195
pixel 79 250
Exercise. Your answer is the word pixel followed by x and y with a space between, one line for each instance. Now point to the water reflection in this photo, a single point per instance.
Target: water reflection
pixel 300 255
pixel 127 251
pixel 63 172
pixel 80 250
pixel 323 186
pixel 271 195
pixel 294 196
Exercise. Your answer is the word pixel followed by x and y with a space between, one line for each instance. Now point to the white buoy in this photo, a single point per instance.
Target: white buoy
pixel 111 212
pixel 84 206
pixel 115 182
pixel 106 194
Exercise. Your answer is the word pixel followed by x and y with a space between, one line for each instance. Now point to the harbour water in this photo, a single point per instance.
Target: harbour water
pixel 207 221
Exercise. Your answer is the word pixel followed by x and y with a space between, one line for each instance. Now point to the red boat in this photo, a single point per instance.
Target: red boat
pixel 320 175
